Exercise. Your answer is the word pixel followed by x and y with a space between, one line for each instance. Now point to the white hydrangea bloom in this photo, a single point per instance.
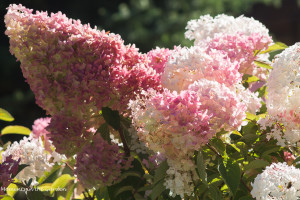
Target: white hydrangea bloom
pixel 32 153
pixel 250 99
pixel 206 27
pixel 184 67
pixel 58 158
pixel 283 102
pixel 136 144
pixel 180 177
pixel 187 65
pixel 278 181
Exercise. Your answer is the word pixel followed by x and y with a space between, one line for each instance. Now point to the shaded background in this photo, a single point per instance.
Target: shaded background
pixel 147 23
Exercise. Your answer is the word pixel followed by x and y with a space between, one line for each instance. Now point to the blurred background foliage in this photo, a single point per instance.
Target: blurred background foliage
pixel 146 23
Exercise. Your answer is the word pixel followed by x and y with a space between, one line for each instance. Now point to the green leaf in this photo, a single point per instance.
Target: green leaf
pixel 252 79
pixel 6 197
pixel 45 187
pixel 112 117
pixel 235 135
pixel 251 116
pixel 256 164
pixel 35 195
pixel 256 52
pixel 102 193
pixel 130 180
pixel 124 175
pixel 137 196
pixel 123 189
pixel 157 190
pixel 6 116
pixel 104 131
pixel 219 145
pixel 46 174
pixel 230 172
pixel 61 182
pixel 15 129
pixel 160 172
pixel 297 160
pixel 272 150
pixel 262 64
pixel 262 92
pixel 249 133
pixel 275 47
pixel 215 192
pixel 249 78
pixel 28 183
pixel 12 189
pixel 201 168
pixel 246 198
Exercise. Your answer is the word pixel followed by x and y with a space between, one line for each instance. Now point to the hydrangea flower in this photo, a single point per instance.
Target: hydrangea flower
pixel 180 177
pixel 241 47
pixel 8 169
pixel 178 123
pixel 249 98
pixel 136 145
pixel 187 65
pixel 73 68
pixel 100 164
pixel 69 134
pixel 288 157
pixel 278 181
pixel 283 97
pixel 39 131
pixel 70 66
pixel 29 151
pixel 238 37
pixel 206 27
pixel 158 58
pixel 131 77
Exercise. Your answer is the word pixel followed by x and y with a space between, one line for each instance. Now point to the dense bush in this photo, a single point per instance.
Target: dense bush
pixel 216 120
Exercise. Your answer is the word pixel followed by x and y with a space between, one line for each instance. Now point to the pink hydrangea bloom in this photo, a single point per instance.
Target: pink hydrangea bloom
pixel 68 134
pixel 134 75
pixel 240 47
pixel 64 62
pixel 8 169
pixel 39 130
pixel 72 66
pixel 187 65
pixel 158 58
pixel 99 164
pixel 178 123
pixel 288 157
pixel 175 123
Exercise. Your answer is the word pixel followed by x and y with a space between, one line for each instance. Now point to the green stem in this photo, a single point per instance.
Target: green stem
pixel 245 183
pixel 215 151
pixel 125 146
